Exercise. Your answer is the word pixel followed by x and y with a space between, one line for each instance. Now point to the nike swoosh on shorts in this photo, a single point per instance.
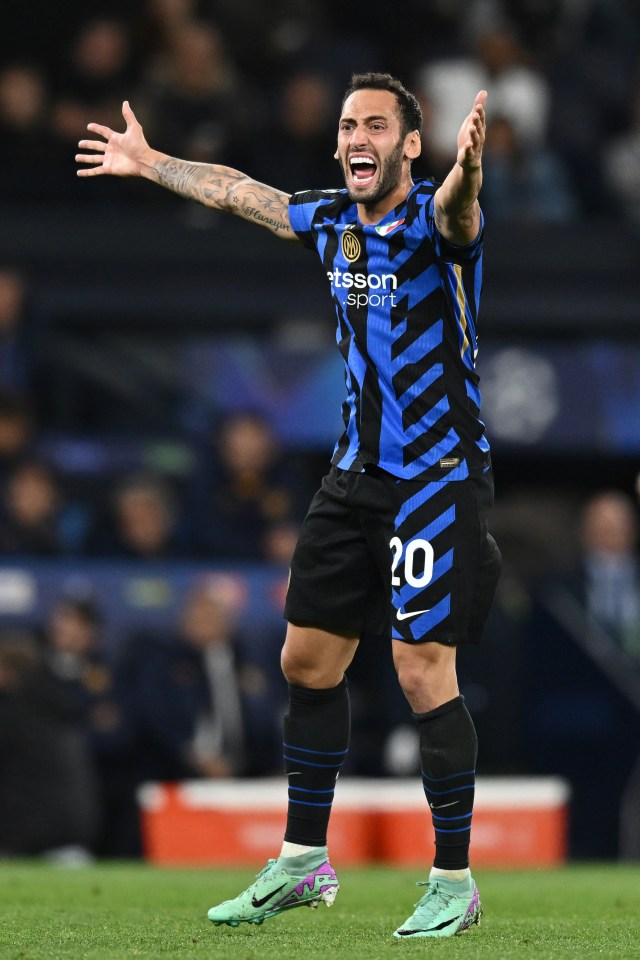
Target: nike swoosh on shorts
pixel 416 613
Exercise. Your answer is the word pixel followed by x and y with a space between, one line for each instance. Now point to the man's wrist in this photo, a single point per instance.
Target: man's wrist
pixel 149 161
pixel 470 167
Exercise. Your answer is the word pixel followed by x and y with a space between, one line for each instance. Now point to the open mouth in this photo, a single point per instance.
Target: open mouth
pixel 363 169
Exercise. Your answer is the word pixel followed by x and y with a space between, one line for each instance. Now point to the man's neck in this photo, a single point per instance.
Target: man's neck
pixel 370 214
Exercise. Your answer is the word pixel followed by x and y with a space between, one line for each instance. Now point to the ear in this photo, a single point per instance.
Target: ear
pixel 412 145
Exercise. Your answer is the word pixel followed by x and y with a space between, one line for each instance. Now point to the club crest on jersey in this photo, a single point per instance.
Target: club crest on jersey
pixel 385 230
pixel 351 247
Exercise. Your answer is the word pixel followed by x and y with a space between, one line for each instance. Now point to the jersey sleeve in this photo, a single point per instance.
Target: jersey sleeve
pixel 311 208
pixel 302 208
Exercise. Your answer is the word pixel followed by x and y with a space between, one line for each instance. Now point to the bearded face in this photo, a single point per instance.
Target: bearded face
pixel 373 150
pixel 369 177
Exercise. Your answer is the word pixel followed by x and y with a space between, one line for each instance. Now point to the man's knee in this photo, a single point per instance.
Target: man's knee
pixel 300 666
pixel 315 658
pixel 426 673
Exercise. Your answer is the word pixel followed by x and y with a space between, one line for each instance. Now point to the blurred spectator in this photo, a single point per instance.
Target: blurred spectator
pixel 16 431
pixel 283 33
pixel 436 31
pixel 280 542
pixel 48 800
pixel 72 653
pixel 161 20
pixel 26 136
pixel 74 658
pixel 14 347
pixel 592 76
pixel 518 91
pixel 199 707
pixel 611 567
pixel 23 102
pixel 295 152
pixel 523 184
pixel 518 87
pixel 96 78
pixel 192 95
pixel 586 622
pixel 245 492
pixel 142 521
pixel 35 520
pixel 621 161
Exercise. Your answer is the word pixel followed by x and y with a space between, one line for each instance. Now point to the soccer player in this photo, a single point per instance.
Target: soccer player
pixel 396 539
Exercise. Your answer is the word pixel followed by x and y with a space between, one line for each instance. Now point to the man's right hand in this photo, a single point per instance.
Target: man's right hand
pixel 129 155
pixel 119 154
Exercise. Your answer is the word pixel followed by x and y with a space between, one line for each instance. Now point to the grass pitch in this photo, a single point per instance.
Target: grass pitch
pixel 113 911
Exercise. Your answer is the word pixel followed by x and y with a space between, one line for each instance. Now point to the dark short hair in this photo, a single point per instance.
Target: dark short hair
pixel 410 112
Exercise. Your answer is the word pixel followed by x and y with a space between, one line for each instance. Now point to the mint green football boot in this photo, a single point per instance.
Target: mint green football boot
pixel 448 907
pixel 276 890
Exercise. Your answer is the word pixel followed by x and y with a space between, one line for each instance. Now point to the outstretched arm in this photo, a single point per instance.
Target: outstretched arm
pixel 129 155
pixel 457 213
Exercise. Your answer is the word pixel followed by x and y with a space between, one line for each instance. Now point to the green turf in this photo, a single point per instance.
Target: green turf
pixel 110 911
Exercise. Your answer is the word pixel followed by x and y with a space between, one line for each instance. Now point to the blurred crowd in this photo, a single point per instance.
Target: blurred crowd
pixel 81 727
pixel 257 86
pixel 241 500
pixel 84 720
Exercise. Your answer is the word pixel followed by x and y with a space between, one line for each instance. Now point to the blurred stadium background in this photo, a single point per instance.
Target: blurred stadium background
pixel 170 396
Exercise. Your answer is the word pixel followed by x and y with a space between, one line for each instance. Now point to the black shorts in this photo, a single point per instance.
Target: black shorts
pixel 409 559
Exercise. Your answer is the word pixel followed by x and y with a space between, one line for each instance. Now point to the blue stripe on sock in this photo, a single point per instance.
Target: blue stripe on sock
pixel 464 773
pixel 454 830
pixel 305 790
pixel 306 803
pixel 443 793
pixel 307 763
pixel 463 816
pixel 329 753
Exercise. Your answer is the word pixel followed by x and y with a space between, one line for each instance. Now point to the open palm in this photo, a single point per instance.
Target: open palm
pixel 472 134
pixel 119 154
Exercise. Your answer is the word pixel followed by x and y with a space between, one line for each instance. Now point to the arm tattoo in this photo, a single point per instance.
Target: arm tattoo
pixel 449 224
pixel 193 180
pixel 268 206
pixel 225 189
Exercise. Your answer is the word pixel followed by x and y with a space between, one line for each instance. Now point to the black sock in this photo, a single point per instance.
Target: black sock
pixel 316 741
pixel 448 750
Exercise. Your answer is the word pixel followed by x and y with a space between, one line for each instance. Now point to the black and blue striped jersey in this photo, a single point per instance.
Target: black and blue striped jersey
pixel 407 303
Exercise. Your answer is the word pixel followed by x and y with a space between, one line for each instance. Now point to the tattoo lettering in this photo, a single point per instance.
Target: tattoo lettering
pixel 269 206
pixel 253 214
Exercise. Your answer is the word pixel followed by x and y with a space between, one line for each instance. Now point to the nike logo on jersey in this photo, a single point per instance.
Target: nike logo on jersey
pixel 261 902
pixel 441 806
pixel 388 228
pixel 416 613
